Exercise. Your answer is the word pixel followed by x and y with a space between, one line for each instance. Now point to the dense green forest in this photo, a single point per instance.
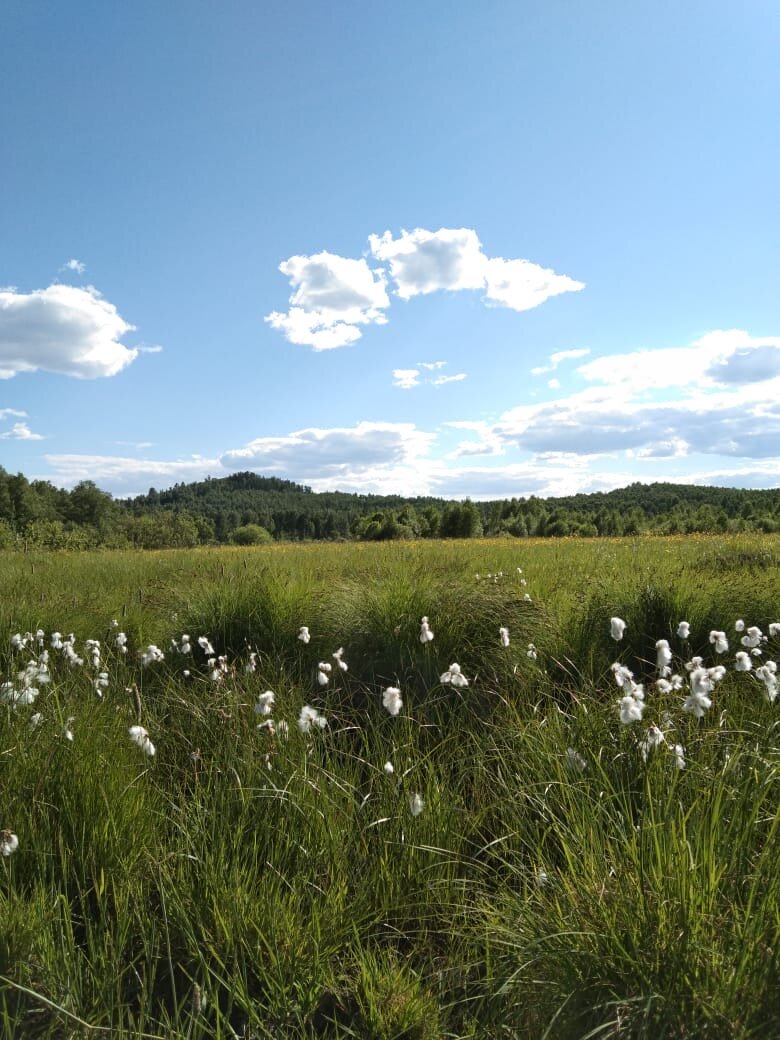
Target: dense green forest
pixel 247 509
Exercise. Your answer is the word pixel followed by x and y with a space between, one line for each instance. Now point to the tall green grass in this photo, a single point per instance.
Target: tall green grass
pixel 244 883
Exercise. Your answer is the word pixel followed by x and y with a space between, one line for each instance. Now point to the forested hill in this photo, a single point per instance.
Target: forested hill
pixel 291 510
pixel 245 508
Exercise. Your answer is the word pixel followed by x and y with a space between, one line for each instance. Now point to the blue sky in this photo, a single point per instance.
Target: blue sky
pixel 453 249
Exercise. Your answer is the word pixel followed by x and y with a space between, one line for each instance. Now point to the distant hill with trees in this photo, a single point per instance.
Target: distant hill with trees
pixel 245 508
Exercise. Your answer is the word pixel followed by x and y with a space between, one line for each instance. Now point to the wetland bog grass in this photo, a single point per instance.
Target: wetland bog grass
pixel 502 858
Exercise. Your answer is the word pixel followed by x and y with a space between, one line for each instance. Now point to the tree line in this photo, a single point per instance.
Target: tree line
pixel 248 509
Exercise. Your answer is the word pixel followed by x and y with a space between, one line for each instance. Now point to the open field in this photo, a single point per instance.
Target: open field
pixel 510 858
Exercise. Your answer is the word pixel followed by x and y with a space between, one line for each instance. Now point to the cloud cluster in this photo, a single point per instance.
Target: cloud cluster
pixel 708 412
pixel 594 422
pixel 62 329
pixel 333 296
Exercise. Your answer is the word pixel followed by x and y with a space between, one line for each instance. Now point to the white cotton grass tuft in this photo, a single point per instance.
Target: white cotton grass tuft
pixel 742 662
pixel 310 718
pixel 574 760
pixel 323 673
pixel 338 658
pixel 652 739
pixel 426 635
pixel 391 700
pixel 617 627
pixel 503 635
pixel 140 738
pixel 767 674
pixel 679 756
pixel 632 703
pixel 388 768
pixel 719 641
pixel 67 732
pixel 624 677
pixel 9 843
pixel 151 655
pixel 663 658
pixel 753 638
pixel 454 676
pixel 265 703
pixel 303 634
pixel 532 653
pixel 416 804
pixel 631 707
pixel 702 681
pixel 683 630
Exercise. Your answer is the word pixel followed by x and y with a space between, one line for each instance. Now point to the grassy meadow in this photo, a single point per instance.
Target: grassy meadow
pixel 509 858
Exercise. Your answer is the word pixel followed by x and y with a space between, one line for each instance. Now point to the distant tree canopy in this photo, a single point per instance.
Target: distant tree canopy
pixel 247 509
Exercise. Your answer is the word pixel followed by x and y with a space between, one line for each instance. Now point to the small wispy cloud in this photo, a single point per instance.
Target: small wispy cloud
pixel 77 266
pixel 406 378
pixel 6 412
pixel 410 378
pixel 441 380
pixel 558 357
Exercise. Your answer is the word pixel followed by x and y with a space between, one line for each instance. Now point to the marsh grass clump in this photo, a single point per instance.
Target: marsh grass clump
pixel 390 791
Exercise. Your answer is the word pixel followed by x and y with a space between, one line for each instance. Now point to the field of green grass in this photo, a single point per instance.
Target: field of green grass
pixel 511 858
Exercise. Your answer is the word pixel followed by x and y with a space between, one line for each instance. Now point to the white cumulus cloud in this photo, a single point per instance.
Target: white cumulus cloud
pixel 523 285
pixel 423 261
pixel 62 329
pixel 333 297
pixel 20 432
pixel 725 356
pixel 369 455
pixel 127 475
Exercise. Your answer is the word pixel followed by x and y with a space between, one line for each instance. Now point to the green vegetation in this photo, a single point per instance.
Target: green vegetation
pixel 223 511
pixel 530 866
